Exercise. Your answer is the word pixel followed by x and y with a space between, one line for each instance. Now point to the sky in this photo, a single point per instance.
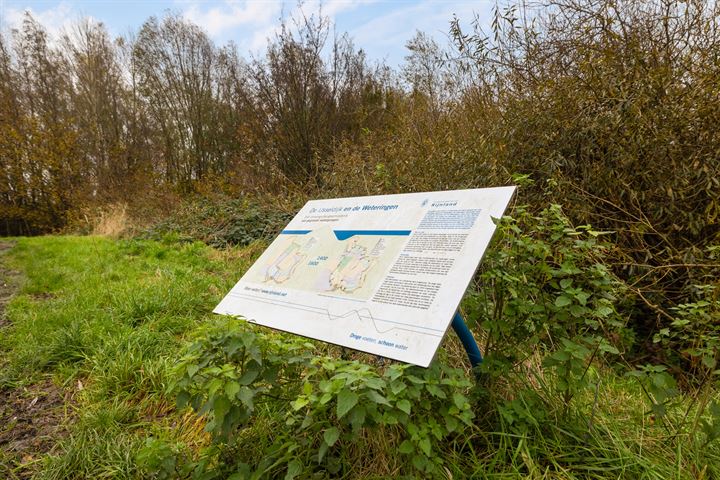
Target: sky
pixel 380 27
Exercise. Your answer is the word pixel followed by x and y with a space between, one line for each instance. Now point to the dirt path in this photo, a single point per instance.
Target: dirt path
pixel 32 416
pixel 8 282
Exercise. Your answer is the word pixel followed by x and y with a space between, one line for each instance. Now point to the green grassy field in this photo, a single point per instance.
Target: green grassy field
pixel 89 351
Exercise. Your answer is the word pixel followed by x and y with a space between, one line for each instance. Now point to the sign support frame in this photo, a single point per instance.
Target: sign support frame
pixel 467 339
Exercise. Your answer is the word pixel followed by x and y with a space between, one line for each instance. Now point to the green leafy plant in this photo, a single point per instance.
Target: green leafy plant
pixel 711 426
pixel 159 459
pixel 659 386
pixel 544 289
pixel 695 332
pixel 422 407
pixel 226 375
pixel 328 403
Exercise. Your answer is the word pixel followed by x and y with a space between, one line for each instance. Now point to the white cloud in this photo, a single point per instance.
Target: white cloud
pixel 380 27
pixel 56 20
pixel 385 36
pixel 333 7
pixel 232 14
pixel 250 23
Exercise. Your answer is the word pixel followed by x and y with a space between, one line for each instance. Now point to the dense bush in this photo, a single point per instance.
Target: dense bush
pixel 544 287
pixel 618 104
pixel 223 222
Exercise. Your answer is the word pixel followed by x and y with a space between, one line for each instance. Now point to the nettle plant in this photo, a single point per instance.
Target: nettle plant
pixel 695 331
pixel 226 374
pixel 330 404
pixel 694 335
pixel 544 289
pixel 419 407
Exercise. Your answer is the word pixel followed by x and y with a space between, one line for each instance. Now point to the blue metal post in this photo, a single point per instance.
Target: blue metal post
pixel 467 339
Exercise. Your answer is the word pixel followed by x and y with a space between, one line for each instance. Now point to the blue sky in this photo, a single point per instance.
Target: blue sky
pixel 380 27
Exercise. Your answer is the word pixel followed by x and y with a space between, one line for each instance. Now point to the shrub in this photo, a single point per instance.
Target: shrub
pixel 222 222
pixel 544 289
pixel 329 404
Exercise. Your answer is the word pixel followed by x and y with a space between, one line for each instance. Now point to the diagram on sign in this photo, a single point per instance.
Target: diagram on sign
pixel 348 274
pixel 283 266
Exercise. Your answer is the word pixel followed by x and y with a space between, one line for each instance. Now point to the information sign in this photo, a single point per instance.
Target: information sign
pixel 380 274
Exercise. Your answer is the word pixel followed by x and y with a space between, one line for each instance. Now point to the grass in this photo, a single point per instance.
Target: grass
pixel 106 321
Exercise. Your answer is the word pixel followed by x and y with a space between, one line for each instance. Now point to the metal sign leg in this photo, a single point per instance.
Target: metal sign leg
pixel 467 339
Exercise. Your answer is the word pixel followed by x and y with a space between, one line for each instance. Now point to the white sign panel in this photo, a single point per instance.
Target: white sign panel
pixel 381 274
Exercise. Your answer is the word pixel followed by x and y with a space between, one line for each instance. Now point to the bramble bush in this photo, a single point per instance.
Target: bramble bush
pixel 221 222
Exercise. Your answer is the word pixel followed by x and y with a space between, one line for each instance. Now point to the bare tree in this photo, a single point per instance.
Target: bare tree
pixel 308 93
pixel 98 101
pixel 175 63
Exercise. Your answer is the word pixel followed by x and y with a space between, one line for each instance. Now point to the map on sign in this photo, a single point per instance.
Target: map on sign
pixel 381 274
pixel 318 261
